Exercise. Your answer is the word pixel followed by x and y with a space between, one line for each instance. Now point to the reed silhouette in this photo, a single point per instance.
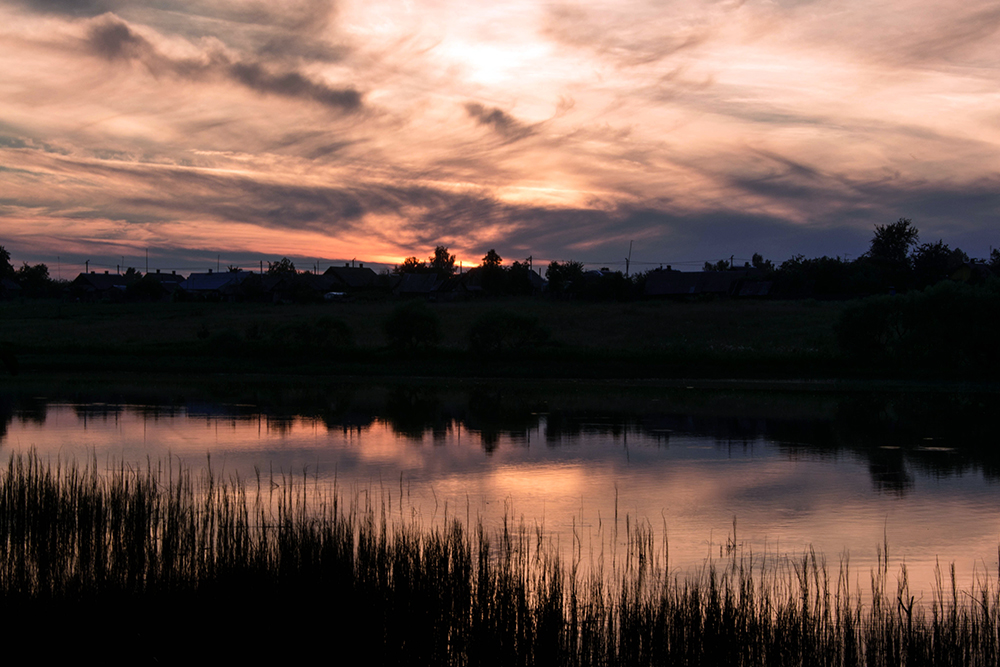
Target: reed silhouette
pixel 173 567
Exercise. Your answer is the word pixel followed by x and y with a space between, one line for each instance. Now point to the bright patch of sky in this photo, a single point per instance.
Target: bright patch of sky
pixel 379 129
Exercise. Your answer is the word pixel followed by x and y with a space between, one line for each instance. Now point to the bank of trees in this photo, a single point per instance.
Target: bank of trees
pixel 896 262
pixel 32 280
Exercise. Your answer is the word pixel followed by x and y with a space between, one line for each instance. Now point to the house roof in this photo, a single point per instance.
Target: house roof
pixel 678 283
pixel 355 277
pixel 165 277
pixel 100 282
pixel 214 282
pixel 419 283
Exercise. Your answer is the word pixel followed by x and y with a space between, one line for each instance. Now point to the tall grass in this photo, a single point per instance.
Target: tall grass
pixel 155 564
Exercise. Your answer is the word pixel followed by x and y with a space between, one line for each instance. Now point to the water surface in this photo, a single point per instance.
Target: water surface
pixel 770 472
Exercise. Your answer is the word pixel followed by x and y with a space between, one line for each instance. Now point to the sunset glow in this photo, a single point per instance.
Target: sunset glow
pixel 247 131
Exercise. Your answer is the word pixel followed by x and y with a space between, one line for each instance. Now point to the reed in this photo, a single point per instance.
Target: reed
pixel 157 564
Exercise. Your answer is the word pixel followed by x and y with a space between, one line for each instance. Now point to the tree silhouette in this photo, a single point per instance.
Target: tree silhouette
pixel 442 261
pixel 492 259
pixel 562 276
pixel 410 265
pixel 933 262
pixel 282 267
pixel 891 243
pixel 6 270
pixel 35 279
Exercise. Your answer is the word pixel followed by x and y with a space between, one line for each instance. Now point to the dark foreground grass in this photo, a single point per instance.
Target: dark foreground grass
pixel 154 565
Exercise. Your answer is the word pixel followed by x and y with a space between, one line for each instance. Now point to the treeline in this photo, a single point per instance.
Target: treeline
pixel 896 261
pixel 33 280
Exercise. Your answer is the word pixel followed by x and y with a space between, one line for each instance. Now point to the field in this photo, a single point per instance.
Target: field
pixel 580 339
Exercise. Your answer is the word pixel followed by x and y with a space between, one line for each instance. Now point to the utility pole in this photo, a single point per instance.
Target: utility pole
pixel 628 260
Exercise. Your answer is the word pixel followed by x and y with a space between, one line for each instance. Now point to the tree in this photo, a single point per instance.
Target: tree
pixel 933 262
pixel 721 265
pixel 562 276
pixel 519 280
pixel 6 270
pixel 34 280
pixel 765 265
pixel 410 265
pixel 492 259
pixel 891 243
pixel 281 267
pixel 442 261
pixel 494 276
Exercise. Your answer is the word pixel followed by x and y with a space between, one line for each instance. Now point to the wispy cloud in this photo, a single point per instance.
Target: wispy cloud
pixel 113 39
pixel 702 128
pixel 499 121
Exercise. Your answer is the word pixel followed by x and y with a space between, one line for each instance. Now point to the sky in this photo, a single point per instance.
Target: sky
pixel 206 133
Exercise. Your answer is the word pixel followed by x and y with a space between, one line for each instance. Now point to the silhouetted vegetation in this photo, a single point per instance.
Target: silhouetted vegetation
pixel 949 328
pixel 643 337
pixel 497 331
pixel 412 326
pixel 156 555
pixel 6 269
pixel 283 267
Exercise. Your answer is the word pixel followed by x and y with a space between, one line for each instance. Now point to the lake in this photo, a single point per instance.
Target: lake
pixel 771 470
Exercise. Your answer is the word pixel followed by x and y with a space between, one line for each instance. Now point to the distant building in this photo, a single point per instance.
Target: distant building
pixel 740 282
pixel 419 284
pixel 225 286
pixel 9 289
pixel 96 286
pixel 353 278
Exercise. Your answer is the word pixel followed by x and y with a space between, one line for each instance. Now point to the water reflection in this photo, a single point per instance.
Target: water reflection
pixel 839 471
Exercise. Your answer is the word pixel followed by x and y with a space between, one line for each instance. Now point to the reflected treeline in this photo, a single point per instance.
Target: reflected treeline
pixel 895 432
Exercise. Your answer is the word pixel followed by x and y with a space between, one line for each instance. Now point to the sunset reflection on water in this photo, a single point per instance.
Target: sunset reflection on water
pixel 688 487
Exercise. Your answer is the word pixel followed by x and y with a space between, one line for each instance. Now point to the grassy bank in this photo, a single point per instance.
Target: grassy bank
pixel 154 564
pixel 581 339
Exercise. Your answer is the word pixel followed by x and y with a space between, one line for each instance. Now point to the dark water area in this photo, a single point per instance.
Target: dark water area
pixel 775 469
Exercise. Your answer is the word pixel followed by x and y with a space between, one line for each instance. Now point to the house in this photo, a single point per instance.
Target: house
pixel 739 282
pixel 226 286
pixel 419 284
pixel 96 286
pixel 9 289
pixel 353 278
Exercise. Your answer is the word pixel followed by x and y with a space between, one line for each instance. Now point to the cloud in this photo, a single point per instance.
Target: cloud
pixel 499 121
pixel 697 128
pixel 626 36
pixel 293 84
pixel 113 39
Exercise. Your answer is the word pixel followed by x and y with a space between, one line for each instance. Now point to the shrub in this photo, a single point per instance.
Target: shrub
pixel 413 325
pixel 499 330
pixel 947 327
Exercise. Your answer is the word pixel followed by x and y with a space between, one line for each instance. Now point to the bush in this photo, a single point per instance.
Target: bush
pixel 947 327
pixel 499 330
pixel 411 326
